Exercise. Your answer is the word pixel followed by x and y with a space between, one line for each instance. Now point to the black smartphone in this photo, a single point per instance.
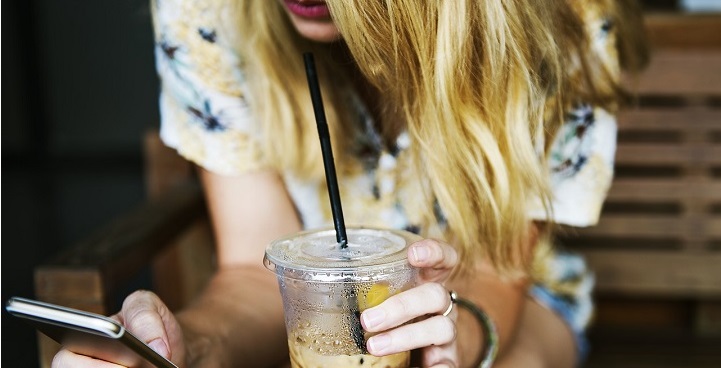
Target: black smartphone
pixel 87 333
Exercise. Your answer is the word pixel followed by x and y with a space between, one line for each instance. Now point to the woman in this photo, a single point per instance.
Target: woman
pixel 477 124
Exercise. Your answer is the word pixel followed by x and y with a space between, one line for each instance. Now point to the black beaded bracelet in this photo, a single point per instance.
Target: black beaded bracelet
pixel 490 334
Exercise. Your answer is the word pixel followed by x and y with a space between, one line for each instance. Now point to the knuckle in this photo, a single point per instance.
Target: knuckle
pixel 437 294
pixel 405 339
pixel 143 317
pixel 403 303
pixel 141 304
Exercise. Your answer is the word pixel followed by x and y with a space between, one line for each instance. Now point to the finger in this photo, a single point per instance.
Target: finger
pixel 441 356
pixel 435 259
pixel 67 359
pixel 429 298
pixel 145 315
pixel 437 330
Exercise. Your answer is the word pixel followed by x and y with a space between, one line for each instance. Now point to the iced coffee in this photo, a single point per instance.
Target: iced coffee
pixel 325 287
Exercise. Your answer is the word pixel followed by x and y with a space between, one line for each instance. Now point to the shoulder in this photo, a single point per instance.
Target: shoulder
pixel 199 38
pixel 204 112
pixel 196 52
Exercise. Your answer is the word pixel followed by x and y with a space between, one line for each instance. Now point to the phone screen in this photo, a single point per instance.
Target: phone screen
pixel 87 333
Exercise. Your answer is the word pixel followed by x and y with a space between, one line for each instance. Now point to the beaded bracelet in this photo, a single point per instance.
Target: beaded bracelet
pixel 490 334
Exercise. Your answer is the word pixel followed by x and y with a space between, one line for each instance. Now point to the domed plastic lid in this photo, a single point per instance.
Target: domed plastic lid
pixel 371 254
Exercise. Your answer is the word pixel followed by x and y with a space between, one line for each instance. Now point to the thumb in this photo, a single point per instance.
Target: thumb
pixel 435 259
pixel 143 314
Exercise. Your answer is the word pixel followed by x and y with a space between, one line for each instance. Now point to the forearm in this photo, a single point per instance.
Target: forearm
pixel 500 299
pixel 238 321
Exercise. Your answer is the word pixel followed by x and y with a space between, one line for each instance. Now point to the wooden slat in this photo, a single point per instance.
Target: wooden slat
pixel 684 31
pixel 683 227
pixel 612 225
pixel 713 229
pixel 689 72
pixel 668 154
pixel 658 118
pixel 660 189
pixel 646 273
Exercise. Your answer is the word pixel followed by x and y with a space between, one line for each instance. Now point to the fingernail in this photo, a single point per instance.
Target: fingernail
pixel 379 343
pixel 373 317
pixel 421 253
pixel 159 346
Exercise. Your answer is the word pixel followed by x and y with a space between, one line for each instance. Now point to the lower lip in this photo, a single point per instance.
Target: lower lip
pixel 312 10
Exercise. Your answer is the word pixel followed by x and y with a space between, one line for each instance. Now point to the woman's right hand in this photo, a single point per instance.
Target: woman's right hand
pixel 428 306
pixel 147 317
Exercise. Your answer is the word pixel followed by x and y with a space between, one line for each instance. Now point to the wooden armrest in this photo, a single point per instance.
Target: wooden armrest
pixel 86 275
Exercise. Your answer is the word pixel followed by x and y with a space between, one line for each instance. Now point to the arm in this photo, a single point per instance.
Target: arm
pixel 502 299
pixel 239 318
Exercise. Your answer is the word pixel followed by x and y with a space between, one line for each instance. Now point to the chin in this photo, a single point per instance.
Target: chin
pixel 319 31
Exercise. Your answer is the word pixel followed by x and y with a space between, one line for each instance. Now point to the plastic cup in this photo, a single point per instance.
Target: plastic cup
pixel 326 287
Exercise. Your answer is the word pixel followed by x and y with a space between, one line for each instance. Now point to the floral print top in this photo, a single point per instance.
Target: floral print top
pixel 206 119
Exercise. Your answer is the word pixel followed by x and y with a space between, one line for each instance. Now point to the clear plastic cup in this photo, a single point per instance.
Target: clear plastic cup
pixel 326 287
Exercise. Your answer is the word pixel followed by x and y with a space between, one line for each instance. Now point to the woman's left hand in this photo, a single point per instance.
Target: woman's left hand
pixel 431 331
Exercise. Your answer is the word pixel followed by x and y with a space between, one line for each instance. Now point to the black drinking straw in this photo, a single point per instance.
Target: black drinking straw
pixel 331 180
pixel 330 175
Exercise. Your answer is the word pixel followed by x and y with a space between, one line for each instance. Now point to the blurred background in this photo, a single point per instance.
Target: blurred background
pixel 80 90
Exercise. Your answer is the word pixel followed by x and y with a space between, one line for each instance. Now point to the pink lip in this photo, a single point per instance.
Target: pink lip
pixel 308 9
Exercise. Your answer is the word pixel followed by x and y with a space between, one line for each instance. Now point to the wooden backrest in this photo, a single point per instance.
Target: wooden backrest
pixel 660 230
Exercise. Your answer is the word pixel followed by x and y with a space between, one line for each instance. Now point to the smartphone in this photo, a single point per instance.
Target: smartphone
pixel 87 333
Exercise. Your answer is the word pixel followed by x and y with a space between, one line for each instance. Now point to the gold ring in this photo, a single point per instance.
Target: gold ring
pixel 454 296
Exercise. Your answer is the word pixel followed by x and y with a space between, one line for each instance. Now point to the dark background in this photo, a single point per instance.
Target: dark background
pixel 79 90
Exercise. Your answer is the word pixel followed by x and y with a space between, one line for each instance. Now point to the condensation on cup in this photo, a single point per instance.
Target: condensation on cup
pixel 325 288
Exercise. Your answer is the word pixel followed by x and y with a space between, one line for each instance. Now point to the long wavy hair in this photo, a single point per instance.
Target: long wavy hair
pixel 481 86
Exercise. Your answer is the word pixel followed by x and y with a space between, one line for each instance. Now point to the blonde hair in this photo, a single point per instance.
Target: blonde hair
pixel 471 80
